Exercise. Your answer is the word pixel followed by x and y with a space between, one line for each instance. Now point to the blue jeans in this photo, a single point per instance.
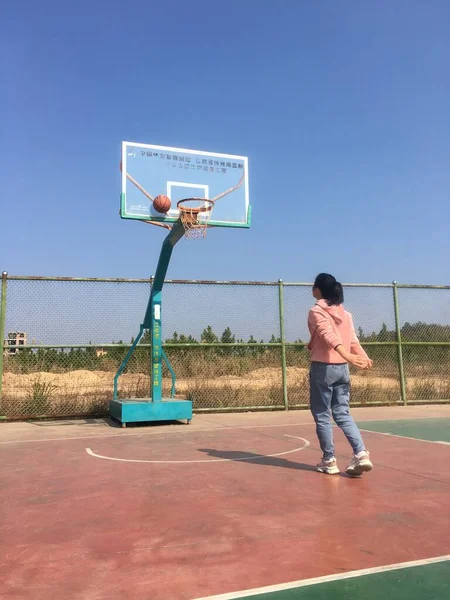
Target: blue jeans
pixel 330 394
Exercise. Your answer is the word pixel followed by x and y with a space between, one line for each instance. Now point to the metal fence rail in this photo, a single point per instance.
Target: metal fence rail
pixel 234 345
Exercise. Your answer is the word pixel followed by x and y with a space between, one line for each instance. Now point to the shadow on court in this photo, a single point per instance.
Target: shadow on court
pixel 257 459
pixel 269 461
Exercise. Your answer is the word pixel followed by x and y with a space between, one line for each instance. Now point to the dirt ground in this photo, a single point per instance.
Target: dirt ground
pixel 83 381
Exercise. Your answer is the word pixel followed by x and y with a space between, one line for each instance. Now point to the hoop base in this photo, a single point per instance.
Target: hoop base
pixel 142 410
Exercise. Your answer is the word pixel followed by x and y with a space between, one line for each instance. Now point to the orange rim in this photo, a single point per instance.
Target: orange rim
pixel 195 210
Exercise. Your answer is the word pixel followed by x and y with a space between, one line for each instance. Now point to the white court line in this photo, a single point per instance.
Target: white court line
pixel 209 460
pixel 410 418
pixel 326 579
pixel 182 430
pixel 163 432
pixel 404 437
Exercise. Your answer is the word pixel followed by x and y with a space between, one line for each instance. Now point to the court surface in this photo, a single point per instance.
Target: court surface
pixel 227 507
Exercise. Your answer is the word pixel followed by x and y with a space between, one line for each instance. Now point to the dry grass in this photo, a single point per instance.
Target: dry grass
pixel 220 383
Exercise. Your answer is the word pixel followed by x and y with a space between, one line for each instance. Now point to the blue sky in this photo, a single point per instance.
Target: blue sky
pixel 341 107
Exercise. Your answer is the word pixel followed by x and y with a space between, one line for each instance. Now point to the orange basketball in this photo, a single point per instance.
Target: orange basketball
pixel 161 204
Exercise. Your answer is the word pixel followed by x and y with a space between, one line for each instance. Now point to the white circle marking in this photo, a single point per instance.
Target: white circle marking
pixel 210 460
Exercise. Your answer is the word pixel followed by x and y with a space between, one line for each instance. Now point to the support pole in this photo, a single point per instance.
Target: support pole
pixel 283 344
pixel 124 363
pixel 2 330
pixel 152 318
pixel 401 370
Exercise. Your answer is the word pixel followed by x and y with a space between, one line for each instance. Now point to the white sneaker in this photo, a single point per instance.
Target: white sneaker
pixel 328 466
pixel 359 464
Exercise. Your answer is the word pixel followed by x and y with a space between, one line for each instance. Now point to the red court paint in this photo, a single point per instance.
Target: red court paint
pixel 74 526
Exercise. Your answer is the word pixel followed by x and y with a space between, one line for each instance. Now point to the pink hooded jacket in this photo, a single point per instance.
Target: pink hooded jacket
pixel 330 326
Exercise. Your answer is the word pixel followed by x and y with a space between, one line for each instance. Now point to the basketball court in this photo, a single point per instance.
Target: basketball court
pixel 228 507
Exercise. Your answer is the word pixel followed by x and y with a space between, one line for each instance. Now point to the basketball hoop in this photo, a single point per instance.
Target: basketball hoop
pixel 195 214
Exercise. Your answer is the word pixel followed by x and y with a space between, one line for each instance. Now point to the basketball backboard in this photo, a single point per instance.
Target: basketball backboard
pixel 149 171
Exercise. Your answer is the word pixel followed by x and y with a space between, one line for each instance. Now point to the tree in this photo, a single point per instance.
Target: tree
pixel 383 335
pixel 240 350
pixel 174 339
pixel 227 338
pixel 253 351
pixel 208 336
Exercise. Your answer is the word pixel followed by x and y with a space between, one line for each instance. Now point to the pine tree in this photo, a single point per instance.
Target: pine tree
pixel 208 336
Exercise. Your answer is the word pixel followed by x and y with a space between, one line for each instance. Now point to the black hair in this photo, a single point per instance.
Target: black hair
pixel 330 289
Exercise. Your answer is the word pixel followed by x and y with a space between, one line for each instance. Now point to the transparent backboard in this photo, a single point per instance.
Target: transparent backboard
pixel 149 171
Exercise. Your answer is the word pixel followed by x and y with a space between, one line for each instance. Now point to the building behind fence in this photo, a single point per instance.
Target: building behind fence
pixel 233 345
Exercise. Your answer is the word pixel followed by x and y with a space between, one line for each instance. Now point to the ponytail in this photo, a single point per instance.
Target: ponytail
pixel 331 290
pixel 338 294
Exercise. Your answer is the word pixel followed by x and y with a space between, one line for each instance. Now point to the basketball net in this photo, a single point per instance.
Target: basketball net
pixel 195 214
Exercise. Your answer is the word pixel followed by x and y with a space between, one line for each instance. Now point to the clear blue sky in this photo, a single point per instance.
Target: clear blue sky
pixel 342 108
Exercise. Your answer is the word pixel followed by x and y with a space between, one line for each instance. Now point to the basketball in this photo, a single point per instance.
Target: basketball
pixel 161 204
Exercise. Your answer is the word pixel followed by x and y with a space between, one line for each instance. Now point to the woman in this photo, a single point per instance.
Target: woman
pixel 333 346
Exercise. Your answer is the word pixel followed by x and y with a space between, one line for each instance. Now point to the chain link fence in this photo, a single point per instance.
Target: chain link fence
pixel 424 316
pixel 233 345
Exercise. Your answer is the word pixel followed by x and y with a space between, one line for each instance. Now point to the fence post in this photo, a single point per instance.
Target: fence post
pixel 283 344
pixel 399 346
pixel 2 330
